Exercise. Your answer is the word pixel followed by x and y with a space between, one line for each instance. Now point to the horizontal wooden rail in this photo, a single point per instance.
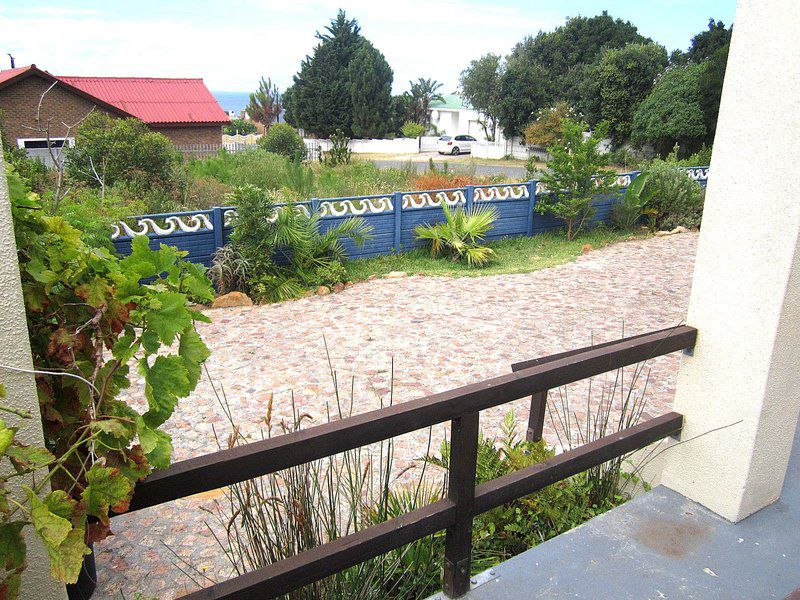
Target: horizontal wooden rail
pixel 320 562
pixel 233 465
pixel 312 565
pixel 520 483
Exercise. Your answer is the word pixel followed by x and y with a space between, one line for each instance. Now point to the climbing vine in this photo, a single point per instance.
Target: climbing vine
pixel 92 316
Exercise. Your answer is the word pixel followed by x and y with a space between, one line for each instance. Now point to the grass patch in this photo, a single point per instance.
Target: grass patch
pixel 514 255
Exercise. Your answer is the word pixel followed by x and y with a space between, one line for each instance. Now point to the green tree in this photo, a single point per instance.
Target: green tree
pixel 321 96
pixel 711 89
pixel 412 129
pixel 371 92
pixel 621 79
pixel 575 175
pixel 480 86
pixel 400 112
pixel 239 126
pixel 707 43
pixel 552 66
pixel 423 93
pixel 111 151
pixel 546 127
pixel 281 138
pixel 524 90
pixel 265 103
pixel 672 113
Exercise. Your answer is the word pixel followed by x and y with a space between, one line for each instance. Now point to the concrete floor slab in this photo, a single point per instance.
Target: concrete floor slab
pixel 663 546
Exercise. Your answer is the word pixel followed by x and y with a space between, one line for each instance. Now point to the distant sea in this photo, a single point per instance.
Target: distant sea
pixel 235 101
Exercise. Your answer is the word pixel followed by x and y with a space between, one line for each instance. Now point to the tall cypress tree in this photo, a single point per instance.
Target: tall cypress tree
pixel 321 99
pixel 370 92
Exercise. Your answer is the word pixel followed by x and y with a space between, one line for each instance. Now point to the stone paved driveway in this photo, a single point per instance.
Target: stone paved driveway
pixel 441 333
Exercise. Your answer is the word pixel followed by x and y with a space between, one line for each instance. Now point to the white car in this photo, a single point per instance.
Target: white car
pixel 455 145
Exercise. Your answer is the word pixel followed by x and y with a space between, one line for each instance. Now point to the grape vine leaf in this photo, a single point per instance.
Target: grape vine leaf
pixel 165 382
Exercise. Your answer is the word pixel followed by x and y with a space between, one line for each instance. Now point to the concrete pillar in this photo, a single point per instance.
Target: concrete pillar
pixel 745 298
pixel 15 351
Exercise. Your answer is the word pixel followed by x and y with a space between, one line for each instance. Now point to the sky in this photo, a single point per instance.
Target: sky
pixel 231 45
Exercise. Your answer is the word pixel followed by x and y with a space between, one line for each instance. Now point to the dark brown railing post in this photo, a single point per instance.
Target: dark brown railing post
pixel 536 418
pixel 461 490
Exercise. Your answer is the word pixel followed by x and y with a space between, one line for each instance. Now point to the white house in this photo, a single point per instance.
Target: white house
pixel 452 116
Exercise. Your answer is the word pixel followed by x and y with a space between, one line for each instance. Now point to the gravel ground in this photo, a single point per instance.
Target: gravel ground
pixel 440 333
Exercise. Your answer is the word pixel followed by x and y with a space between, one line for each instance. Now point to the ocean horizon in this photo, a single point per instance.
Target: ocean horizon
pixel 235 101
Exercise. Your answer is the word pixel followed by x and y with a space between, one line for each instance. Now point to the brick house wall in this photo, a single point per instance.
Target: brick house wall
pixel 18 103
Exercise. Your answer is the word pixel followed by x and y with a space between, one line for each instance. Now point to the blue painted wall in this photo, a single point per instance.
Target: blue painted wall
pixel 393 218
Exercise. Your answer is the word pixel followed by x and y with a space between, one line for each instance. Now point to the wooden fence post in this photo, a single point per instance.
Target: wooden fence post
pixel 397 202
pixel 469 194
pixel 531 205
pixel 536 418
pixel 218 223
pixel 461 490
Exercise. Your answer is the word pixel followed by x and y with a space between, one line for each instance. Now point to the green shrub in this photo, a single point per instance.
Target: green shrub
pixel 286 249
pixel 281 138
pixel 675 198
pixel 574 176
pixel 339 153
pixel 201 193
pixel 460 235
pixel 94 215
pixel 254 166
pixel 411 129
pixel 360 178
pixel 111 151
pixel 299 179
pixel 627 213
pixel 230 271
pixel 240 127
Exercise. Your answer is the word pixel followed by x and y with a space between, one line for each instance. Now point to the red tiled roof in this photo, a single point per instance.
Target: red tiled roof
pixel 11 73
pixel 155 100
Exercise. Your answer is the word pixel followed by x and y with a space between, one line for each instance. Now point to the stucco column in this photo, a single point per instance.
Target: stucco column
pixel 745 298
pixel 15 351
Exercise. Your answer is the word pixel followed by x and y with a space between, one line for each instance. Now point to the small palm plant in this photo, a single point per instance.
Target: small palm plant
pixel 459 237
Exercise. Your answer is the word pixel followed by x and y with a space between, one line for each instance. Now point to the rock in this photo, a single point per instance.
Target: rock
pixel 663 233
pixel 308 293
pixel 395 275
pixel 586 248
pixel 338 287
pixel 371 277
pixel 348 284
pixel 232 299
pixel 323 290
pixel 679 229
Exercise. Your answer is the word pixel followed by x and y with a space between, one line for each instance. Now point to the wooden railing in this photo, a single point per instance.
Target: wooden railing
pixel 464 500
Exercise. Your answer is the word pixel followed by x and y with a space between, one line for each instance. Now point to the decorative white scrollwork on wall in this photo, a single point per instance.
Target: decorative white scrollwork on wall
pixel 501 192
pixel 363 206
pixel 425 199
pixel 146 225
pixel 228 215
pixel 698 173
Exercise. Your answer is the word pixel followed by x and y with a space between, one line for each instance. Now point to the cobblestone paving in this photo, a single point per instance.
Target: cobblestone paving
pixel 440 332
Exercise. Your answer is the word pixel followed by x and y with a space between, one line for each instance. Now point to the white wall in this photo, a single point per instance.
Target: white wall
pixel 396 146
pixel 456 122
pixel 744 377
pixel 15 351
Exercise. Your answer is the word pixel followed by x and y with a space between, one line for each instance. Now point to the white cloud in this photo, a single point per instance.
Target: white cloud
pixel 264 37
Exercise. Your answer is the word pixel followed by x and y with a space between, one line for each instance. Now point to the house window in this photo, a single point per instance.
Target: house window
pixel 41 143
pixel 37 148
